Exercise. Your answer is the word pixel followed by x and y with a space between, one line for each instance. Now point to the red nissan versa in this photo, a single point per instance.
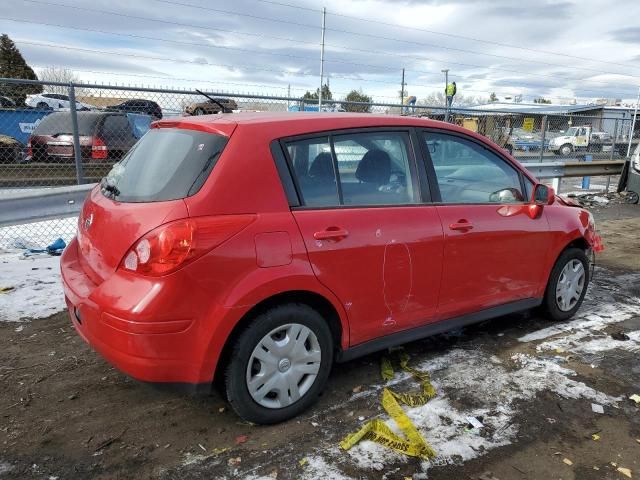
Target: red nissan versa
pixel 261 248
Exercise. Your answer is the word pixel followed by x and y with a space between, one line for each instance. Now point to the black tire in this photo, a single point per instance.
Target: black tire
pixel 199 111
pixel 236 370
pixel 43 106
pixel 550 304
pixel 566 150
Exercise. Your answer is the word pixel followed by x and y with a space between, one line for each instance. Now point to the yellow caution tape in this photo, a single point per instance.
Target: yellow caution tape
pixel 377 431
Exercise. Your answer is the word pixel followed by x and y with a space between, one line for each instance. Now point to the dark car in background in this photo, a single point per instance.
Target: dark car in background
pixel 210 108
pixel 104 136
pixel 147 107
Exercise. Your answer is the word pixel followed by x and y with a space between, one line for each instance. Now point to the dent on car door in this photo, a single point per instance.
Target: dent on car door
pixel 369 238
pixel 494 251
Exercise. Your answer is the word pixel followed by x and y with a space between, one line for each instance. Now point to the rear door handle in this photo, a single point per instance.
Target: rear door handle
pixel 334 233
pixel 462 225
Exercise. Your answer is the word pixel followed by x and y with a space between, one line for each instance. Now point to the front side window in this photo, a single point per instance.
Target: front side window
pixel 467 172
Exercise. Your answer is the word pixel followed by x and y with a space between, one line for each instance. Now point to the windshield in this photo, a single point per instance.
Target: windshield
pixel 572 132
pixel 165 164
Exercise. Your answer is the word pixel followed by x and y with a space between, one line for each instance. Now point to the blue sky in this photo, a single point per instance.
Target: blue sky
pixel 557 49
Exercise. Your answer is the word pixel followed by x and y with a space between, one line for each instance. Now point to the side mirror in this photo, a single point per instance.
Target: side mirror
pixel 543 195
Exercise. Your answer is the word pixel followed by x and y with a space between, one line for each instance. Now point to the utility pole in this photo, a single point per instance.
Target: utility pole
pixel 633 125
pixel 402 92
pixel 324 18
pixel 446 83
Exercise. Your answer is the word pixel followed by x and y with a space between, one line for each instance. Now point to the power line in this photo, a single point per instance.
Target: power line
pixel 299 57
pixel 197 80
pixel 308 42
pixel 195 62
pixel 475 52
pixel 453 35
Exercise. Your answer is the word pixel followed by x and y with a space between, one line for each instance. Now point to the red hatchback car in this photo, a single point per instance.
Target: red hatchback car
pixel 261 248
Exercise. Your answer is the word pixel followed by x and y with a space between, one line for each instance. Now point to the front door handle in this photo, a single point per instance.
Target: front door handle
pixel 462 225
pixel 331 233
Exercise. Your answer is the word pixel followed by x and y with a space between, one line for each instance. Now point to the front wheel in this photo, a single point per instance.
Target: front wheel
pixel 279 364
pixel 567 285
pixel 566 149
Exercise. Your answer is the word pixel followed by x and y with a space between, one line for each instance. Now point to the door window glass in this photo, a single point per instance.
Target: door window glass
pixel 312 164
pixel 469 173
pixel 374 168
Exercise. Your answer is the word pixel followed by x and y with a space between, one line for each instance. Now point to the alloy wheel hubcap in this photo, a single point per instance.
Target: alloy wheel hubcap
pixel 283 366
pixel 570 285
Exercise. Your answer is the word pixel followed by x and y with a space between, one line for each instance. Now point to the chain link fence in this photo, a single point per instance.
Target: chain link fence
pixel 55 134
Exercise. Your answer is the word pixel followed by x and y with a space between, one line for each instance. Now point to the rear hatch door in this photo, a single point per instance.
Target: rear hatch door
pixel 143 191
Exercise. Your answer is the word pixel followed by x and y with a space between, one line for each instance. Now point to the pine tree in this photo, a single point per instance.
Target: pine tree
pixel 13 65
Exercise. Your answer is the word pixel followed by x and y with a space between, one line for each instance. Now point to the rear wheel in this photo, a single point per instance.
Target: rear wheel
pixel 279 364
pixel 567 285
pixel 199 111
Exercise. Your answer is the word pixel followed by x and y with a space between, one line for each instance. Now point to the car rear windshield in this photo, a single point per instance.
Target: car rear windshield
pixel 165 164
pixel 60 124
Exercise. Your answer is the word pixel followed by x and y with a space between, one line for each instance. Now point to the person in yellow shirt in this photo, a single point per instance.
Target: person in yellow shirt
pixel 450 92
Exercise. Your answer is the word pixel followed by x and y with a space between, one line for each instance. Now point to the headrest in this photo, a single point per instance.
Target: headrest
pixel 375 167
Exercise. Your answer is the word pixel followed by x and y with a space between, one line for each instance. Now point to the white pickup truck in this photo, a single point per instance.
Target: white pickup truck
pixel 577 139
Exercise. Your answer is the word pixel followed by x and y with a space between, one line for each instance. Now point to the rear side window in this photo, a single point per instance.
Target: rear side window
pixel 165 164
pixel 60 124
pixel 356 169
pixel 374 168
pixel 116 127
pixel 314 170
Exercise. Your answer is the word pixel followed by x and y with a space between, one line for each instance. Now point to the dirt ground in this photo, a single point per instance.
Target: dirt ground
pixel 66 414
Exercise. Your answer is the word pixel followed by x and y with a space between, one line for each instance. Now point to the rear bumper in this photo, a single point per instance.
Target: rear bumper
pixel 140 330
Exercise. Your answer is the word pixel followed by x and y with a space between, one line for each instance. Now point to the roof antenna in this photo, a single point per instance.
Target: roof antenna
pixel 224 109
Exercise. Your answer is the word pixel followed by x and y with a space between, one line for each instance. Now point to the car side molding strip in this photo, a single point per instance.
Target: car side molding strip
pixel 435 328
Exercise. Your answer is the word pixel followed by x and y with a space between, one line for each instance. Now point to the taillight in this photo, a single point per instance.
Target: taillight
pixel 173 245
pixel 29 148
pixel 99 150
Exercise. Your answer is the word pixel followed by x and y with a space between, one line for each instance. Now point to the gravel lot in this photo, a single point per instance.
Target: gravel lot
pixel 66 414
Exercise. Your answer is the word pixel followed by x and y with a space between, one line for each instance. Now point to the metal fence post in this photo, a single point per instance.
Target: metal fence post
pixel 613 149
pixel 77 153
pixel 544 132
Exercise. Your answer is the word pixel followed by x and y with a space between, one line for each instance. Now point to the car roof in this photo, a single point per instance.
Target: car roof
pixel 284 124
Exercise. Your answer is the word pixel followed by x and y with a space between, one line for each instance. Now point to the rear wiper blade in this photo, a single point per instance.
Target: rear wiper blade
pixel 224 109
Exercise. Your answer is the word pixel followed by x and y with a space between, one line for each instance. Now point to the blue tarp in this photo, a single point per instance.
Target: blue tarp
pixel 139 123
pixel 21 122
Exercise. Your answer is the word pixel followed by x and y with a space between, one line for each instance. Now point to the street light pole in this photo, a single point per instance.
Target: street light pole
pixel 324 17
pixel 633 125
pixel 446 103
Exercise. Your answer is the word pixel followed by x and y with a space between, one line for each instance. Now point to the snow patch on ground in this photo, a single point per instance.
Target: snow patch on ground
pixel 5 467
pixel 36 289
pixel 489 391
pixel 316 467
pixel 588 323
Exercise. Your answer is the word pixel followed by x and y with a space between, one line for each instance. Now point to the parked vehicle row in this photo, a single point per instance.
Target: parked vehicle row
pixel 103 136
pixel 361 232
